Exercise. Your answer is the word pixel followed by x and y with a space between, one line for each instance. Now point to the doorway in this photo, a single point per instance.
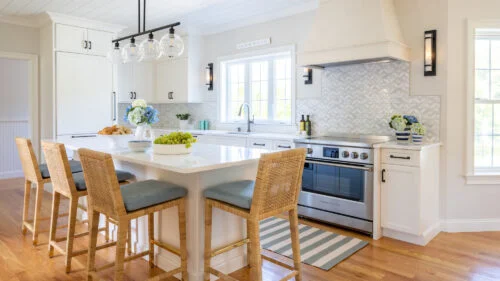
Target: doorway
pixel 18 108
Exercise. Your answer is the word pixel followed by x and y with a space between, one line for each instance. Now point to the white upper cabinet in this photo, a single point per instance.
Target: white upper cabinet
pixel 179 80
pixel 82 40
pixel 99 42
pixel 134 81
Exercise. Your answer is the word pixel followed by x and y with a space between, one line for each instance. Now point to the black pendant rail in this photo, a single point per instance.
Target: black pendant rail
pixel 144 31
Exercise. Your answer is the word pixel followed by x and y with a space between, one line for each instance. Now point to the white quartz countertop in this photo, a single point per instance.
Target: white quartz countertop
pixel 261 135
pixel 406 146
pixel 205 157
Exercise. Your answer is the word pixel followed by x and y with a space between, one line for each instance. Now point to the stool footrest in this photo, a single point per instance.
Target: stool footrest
pixel 277 262
pixel 229 247
pixel 221 275
pixel 165 246
pixel 129 258
pixel 164 275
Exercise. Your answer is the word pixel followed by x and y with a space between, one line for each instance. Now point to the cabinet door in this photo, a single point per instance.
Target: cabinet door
pixel 171 81
pixel 99 42
pixel 124 84
pixel 83 93
pixel 400 198
pixel 70 38
pixel 143 81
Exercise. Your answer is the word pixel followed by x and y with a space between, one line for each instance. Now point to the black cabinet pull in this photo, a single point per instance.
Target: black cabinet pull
pixel 259 144
pixel 86 44
pixel 131 95
pixel 383 175
pixel 284 146
pixel 400 157
pixel 170 95
pixel 135 95
pixel 90 45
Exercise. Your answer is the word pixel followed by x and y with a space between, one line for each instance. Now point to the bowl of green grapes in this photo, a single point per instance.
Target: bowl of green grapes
pixel 174 143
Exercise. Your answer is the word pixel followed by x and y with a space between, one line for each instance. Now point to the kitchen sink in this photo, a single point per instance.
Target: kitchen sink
pixel 239 133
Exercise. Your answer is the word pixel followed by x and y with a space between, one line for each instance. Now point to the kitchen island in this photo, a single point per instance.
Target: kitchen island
pixel 206 166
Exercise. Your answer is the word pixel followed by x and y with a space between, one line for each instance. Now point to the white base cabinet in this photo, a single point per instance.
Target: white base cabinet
pixel 410 194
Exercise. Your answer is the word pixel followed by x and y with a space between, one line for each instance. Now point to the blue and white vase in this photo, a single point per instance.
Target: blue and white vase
pixel 402 136
pixel 417 138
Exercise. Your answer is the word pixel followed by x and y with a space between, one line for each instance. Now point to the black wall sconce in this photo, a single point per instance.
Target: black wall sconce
pixel 308 75
pixel 430 53
pixel 209 76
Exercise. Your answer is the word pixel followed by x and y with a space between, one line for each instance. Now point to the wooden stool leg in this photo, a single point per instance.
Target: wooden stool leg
pixel 255 260
pixel 151 235
pixel 182 236
pixel 129 238
pixel 106 226
pixel 56 199
pixel 294 232
pixel 93 231
pixel 38 210
pixel 208 239
pixel 73 208
pixel 121 242
pixel 26 207
pixel 249 248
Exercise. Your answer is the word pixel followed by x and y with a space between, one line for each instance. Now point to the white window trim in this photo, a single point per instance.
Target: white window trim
pixel 263 52
pixel 473 176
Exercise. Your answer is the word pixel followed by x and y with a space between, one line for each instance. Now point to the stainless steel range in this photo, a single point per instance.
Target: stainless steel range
pixel 337 184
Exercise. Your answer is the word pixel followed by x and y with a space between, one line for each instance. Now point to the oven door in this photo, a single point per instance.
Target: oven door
pixel 338 188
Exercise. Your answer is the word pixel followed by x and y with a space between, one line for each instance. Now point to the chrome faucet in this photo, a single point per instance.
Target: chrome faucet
pixel 248 115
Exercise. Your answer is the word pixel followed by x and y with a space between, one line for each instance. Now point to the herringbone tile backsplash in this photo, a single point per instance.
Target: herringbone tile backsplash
pixel 357 99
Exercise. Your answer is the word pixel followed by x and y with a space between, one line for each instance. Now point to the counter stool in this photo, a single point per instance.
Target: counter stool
pixel 39 175
pixel 276 190
pixel 126 203
pixel 73 187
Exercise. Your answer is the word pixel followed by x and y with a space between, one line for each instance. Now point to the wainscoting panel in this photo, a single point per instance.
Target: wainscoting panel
pixel 10 166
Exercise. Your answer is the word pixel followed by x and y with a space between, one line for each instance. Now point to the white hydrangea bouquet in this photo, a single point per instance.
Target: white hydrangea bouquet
pixel 142 115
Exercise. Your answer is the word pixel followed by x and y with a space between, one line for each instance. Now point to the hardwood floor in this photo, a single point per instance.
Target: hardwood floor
pixel 457 256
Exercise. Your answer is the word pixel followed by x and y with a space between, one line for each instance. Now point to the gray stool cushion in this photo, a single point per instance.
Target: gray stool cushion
pixel 76 167
pixel 80 181
pixel 237 193
pixel 143 194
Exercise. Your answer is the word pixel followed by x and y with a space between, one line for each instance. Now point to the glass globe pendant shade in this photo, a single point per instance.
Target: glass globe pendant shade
pixel 171 45
pixel 114 54
pixel 149 49
pixel 130 53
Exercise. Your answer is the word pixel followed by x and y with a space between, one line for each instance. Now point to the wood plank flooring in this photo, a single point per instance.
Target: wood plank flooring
pixel 453 257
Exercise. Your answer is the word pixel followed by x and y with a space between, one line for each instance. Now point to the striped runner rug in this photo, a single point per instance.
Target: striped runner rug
pixel 318 248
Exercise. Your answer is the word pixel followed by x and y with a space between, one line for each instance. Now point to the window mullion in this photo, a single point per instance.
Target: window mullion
pixel 247 84
pixel 270 90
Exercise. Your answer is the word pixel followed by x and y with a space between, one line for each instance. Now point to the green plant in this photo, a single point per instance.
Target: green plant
pixel 398 123
pixel 183 116
pixel 419 129
pixel 176 138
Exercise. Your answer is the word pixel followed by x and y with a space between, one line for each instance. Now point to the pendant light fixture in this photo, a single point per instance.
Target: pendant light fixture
pixel 171 45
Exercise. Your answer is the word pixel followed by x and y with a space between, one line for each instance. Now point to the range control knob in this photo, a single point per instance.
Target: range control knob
pixel 345 154
pixel 309 150
pixel 354 155
pixel 364 156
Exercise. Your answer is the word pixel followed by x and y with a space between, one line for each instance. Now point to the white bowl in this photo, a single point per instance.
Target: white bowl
pixel 171 149
pixel 116 141
pixel 139 145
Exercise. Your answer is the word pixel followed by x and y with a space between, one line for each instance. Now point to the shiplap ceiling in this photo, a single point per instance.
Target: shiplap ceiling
pixel 205 16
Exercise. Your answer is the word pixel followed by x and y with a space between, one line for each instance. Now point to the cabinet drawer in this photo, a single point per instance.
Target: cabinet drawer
pixel 282 145
pixel 260 143
pixel 401 157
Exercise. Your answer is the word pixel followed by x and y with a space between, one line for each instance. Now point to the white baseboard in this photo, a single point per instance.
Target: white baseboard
pixel 421 240
pixel 11 174
pixel 470 225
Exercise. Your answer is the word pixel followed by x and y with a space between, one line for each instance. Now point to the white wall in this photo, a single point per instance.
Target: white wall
pixel 465 203
pixel 19 39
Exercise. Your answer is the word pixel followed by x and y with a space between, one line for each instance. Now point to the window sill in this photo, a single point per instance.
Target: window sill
pixel 482 179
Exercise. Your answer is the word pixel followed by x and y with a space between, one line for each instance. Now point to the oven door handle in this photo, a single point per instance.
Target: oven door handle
pixel 368 169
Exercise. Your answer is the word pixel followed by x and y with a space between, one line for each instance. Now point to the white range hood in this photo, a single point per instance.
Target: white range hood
pixel 353 31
